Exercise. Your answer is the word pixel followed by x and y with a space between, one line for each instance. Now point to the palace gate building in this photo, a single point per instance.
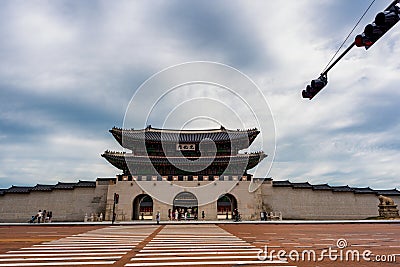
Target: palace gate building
pixel 184 160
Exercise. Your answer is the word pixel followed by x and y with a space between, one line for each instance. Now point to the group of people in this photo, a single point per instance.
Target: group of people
pixel 184 214
pixel 41 217
pixel 236 215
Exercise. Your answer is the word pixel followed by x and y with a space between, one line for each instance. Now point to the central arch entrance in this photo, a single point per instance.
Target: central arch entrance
pixel 142 207
pixel 185 207
pixel 225 205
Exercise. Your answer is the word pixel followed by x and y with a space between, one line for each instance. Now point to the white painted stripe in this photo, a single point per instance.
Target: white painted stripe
pixel 197 246
pixel 191 235
pixel 60 254
pixel 254 257
pixel 144 264
pixel 366 245
pixel 201 244
pixel 62 258
pixel 82 245
pixel 198 242
pixel 196 249
pixel 97 240
pixel 68 250
pixel 195 239
pixel 87 243
pixel 198 253
pixel 21 264
pixel 113 236
pixel 66 247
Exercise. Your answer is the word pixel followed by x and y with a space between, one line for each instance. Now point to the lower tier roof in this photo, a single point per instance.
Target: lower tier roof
pixel 236 164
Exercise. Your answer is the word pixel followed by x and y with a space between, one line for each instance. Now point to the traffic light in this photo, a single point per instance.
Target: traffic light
pixel 382 23
pixel 315 86
pixel 116 198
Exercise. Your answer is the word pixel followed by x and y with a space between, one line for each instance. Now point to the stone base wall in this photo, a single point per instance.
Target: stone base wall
pixel 66 205
pixel 320 204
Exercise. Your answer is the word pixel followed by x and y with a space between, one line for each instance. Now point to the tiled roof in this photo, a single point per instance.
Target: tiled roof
pixel 346 188
pixel 120 160
pixel 106 179
pixel 47 187
pixel 19 189
pixel 388 192
pixel 282 183
pixel 64 185
pixel 321 187
pixel 363 190
pixel 195 136
pixel 301 185
pixel 85 184
pixel 42 187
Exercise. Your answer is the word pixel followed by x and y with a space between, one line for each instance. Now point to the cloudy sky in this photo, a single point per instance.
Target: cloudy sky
pixel 69 69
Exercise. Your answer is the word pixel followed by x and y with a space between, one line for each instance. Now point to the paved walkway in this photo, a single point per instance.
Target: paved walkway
pixel 134 246
pixel 194 245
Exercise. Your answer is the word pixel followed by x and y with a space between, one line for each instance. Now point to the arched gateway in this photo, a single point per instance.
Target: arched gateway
pixel 185 203
pixel 225 205
pixel 142 207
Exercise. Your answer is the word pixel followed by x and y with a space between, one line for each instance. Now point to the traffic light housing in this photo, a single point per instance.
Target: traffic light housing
pixel 315 86
pixel 116 198
pixel 383 22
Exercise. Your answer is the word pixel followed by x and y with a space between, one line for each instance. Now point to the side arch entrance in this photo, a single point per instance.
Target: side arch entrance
pixel 225 206
pixel 142 207
pixel 185 206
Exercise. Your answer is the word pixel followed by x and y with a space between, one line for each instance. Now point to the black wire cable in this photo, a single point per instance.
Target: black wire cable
pixel 345 40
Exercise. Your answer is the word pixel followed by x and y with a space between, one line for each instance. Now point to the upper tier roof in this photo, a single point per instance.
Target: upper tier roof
pixel 185 136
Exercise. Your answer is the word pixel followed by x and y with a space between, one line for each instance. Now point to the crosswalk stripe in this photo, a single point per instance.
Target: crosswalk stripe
pixel 145 264
pixel 60 254
pixel 62 258
pixel 20 264
pixel 68 250
pixel 205 252
pixel 198 250
pixel 196 246
pixel 203 257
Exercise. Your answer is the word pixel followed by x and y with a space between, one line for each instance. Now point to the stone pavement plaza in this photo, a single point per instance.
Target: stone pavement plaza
pixel 200 245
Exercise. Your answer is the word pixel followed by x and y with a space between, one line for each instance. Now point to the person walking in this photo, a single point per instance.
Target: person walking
pixel 203 214
pixel 158 217
pixel 39 216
